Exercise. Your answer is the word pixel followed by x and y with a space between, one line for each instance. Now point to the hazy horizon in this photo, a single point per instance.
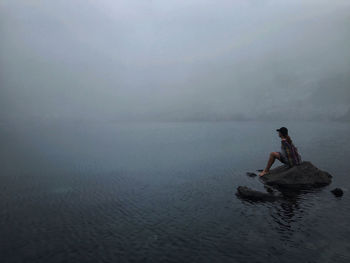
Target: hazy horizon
pixel 175 60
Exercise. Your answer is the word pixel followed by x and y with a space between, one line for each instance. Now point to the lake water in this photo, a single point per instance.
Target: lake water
pixel 165 192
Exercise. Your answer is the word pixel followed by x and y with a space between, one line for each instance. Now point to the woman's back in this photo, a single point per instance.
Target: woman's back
pixel 290 153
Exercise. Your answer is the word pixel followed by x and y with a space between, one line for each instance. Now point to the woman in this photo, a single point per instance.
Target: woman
pixel 289 153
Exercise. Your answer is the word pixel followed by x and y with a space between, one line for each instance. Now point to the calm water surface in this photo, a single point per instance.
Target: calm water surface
pixel 165 192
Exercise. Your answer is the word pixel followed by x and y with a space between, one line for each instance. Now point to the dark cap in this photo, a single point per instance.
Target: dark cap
pixel 283 131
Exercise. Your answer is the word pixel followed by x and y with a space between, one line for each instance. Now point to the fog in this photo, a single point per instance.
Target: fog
pixel 175 60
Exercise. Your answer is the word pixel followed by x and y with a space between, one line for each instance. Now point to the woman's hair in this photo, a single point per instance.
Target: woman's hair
pixel 289 140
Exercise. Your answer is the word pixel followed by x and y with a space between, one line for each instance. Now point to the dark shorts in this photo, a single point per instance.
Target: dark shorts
pixel 282 159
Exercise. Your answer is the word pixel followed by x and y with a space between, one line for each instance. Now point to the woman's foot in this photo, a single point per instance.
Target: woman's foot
pixel 263 173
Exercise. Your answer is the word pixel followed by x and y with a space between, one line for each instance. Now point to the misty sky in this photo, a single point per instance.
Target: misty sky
pixel 175 59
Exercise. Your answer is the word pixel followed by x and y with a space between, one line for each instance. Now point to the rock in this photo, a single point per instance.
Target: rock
pixel 269 189
pixel 304 175
pixel 247 193
pixel 251 174
pixel 337 192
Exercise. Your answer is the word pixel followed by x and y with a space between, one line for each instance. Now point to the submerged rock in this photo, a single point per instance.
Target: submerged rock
pixel 251 174
pixel 301 176
pixel 337 192
pixel 248 193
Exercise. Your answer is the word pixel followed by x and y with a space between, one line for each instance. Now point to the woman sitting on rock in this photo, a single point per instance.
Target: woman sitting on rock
pixel 289 153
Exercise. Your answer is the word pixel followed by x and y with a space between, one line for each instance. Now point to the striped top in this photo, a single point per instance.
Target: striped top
pixel 290 153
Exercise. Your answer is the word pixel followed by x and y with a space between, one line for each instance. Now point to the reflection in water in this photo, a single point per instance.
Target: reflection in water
pixel 289 212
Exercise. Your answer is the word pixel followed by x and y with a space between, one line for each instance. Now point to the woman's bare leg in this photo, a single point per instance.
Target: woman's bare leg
pixel 272 158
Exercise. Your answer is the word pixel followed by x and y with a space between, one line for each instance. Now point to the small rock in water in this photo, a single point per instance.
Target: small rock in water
pixel 269 189
pixel 337 192
pixel 251 174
